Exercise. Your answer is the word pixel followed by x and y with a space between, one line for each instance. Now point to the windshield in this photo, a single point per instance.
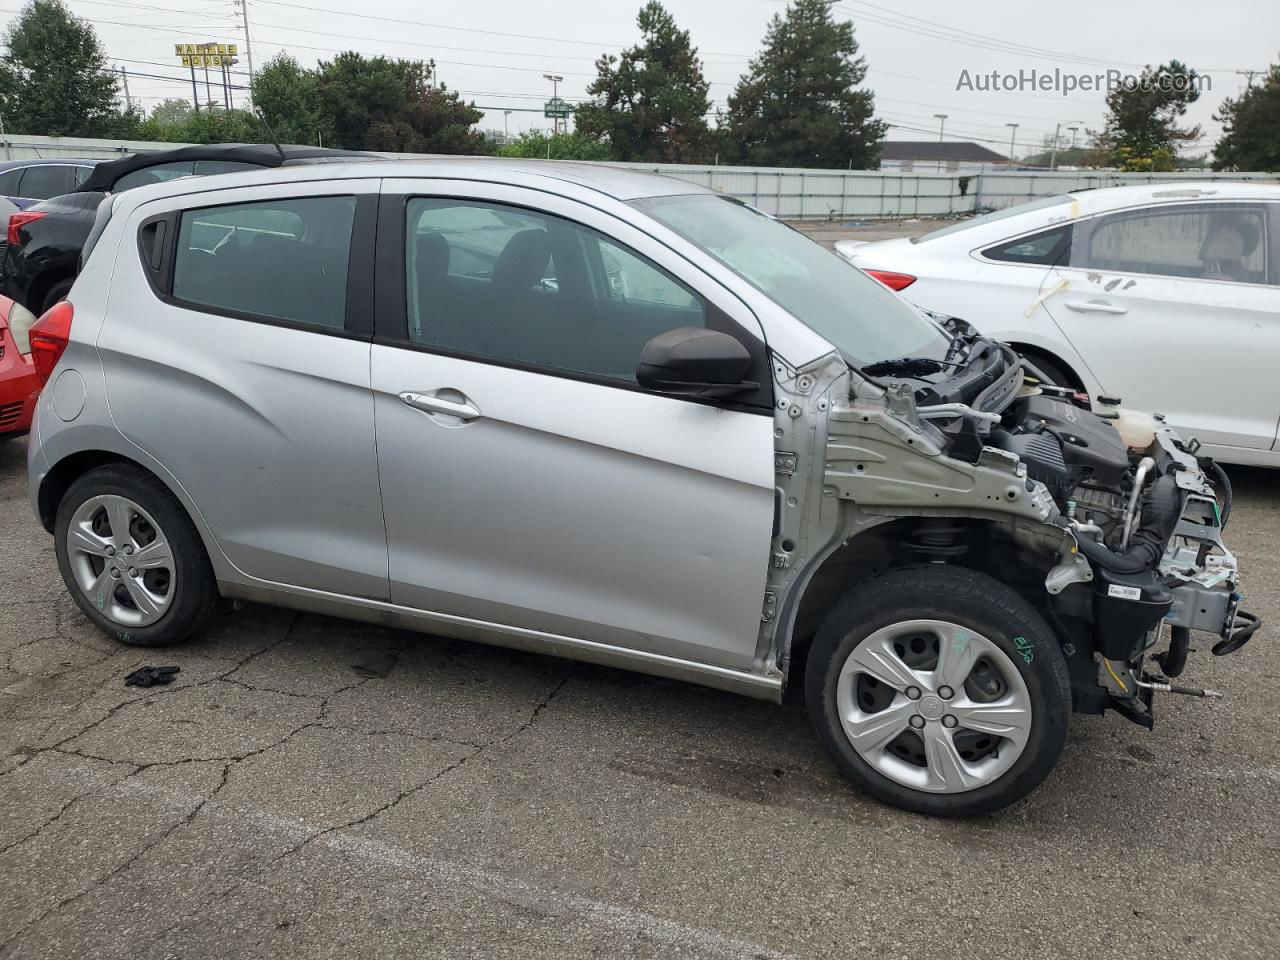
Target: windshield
pixel 992 217
pixel 865 320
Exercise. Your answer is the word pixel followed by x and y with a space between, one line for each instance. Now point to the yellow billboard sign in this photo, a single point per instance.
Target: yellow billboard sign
pixel 205 54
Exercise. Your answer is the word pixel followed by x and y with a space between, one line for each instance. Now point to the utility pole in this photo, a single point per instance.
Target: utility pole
pixel 506 134
pixel 128 100
pixel 1074 130
pixel 942 125
pixel 243 7
pixel 195 92
pixel 1057 135
pixel 1013 134
pixel 1249 75
pixel 555 95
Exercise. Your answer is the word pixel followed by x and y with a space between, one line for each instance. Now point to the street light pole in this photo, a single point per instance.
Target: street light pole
pixel 942 124
pixel 1013 134
pixel 506 134
pixel 555 96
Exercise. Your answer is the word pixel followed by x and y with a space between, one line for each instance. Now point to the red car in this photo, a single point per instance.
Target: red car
pixel 19 382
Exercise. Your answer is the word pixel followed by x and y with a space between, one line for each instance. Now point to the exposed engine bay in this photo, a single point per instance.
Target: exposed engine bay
pixel 1144 559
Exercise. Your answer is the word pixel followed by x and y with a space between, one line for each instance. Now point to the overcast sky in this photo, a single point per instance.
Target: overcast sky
pixel 495 51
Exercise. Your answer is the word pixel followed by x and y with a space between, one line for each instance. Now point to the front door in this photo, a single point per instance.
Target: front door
pixel 527 480
pixel 1177 312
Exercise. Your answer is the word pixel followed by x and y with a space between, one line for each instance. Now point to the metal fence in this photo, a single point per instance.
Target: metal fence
pixel 792 194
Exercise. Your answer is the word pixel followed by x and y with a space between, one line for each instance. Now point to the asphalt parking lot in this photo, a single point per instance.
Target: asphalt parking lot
pixel 312 788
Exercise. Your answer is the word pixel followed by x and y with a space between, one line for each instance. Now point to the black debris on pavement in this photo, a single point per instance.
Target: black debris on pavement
pixel 150 676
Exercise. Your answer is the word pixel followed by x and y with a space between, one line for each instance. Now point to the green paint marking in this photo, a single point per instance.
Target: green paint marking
pixel 959 642
pixel 1025 648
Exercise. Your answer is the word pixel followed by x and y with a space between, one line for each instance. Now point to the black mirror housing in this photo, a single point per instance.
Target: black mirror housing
pixel 694 361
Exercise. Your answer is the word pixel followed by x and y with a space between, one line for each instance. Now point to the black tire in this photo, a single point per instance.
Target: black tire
pixel 1055 370
pixel 195 589
pixel 57 293
pixel 975 602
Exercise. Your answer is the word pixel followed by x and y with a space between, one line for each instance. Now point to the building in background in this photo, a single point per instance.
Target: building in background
pixel 931 156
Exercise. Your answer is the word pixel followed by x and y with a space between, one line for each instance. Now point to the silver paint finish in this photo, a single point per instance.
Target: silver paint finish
pixel 268 429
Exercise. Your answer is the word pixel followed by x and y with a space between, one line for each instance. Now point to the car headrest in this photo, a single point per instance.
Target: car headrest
pixel 523 261
pixel 431 261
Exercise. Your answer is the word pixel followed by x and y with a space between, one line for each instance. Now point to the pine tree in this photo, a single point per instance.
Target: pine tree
pixel 650 104
pixel 1251 127
pixel 798 105
pixel 1142 131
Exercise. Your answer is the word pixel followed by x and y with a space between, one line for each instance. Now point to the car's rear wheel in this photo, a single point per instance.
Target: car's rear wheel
pixel 132 558
pixel 939 690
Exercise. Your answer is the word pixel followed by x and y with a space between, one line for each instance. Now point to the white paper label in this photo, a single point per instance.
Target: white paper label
pixel 1124 593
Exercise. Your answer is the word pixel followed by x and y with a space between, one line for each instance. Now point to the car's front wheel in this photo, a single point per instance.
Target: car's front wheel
pixel 939 690
pixel 132 558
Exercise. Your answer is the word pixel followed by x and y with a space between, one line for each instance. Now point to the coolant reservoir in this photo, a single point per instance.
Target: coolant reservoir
pixel 1137 429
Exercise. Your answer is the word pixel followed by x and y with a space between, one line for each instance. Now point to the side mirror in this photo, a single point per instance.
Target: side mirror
pixel 694 361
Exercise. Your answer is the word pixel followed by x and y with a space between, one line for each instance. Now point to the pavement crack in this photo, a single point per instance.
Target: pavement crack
pixel 127 863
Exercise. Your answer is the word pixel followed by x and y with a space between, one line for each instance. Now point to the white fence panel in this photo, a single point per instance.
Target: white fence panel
pixel 791 193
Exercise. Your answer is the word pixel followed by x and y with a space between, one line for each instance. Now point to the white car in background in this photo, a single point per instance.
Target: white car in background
pixel 1164 295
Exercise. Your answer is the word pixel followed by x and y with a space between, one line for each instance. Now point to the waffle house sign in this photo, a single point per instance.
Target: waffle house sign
pixel 205 54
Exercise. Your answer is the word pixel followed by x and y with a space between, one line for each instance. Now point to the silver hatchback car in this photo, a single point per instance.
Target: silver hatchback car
pixel 615 417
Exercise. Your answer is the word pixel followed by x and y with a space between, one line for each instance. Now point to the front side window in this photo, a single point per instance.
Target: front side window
pixel 41 183
pixel 273 259
pixel 1198 241
pixel 527 288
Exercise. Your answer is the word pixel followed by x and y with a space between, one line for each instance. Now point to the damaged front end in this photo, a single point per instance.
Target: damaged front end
pixel 987 466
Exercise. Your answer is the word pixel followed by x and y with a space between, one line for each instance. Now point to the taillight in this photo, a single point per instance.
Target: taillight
pixel 19 220
pixel 49 337
pixel 894 281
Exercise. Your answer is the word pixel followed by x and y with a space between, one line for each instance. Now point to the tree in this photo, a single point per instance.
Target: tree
pixel 171 111
pixel 541 145
pixel 375 103
pixel 1142 131
pixel 209 126
pixel 1251 127
pixel 798 105
pixel 289 99
pixel 55 80
pixel 650 104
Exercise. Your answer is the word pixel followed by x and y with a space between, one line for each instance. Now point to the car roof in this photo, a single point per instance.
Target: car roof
pixel 617 182
pixel 1170 191
pixel 106 174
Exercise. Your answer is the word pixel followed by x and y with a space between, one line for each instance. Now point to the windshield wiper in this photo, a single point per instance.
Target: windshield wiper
pixel 908 367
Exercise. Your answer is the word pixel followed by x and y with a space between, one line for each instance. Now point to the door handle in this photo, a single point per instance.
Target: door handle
pixel 1094 306
pixel 433 403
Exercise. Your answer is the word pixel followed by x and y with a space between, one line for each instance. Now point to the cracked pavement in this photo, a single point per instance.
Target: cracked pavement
pixel 314 788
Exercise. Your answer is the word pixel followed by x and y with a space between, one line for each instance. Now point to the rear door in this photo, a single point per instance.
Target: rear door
pixel 1176 310
pixel 236 350
pixel 528 481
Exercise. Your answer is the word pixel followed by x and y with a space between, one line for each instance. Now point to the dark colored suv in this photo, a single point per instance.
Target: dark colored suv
pixel 44 242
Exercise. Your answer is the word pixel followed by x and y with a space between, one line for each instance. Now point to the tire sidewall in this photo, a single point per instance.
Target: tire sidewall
pixel 192 576
pixel 980 604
